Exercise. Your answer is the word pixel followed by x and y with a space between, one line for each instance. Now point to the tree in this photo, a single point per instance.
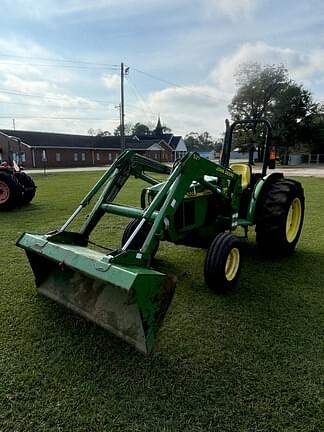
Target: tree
pixel 199 142
pixel 206 141
pixel 103 133
pixel 91 132
pixel 192 142
pixel 289 116
pixel 258 88
pixel 140 129
pixel 312 130
pixel 98 132
pixel 268 92
pixel 218 145
pixel 127 129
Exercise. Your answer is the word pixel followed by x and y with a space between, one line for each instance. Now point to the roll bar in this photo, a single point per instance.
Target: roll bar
pixel 229 139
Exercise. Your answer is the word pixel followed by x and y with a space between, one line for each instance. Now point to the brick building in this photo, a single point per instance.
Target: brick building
pixel 39 149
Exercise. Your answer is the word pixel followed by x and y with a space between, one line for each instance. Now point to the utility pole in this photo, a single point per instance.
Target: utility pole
pixel 118 108
pixel 122 112
pixel 14 124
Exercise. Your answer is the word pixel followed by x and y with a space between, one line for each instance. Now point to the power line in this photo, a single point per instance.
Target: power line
pixel 18 116
pixel 53 106
pixel 95 67
pixel 156 78
pixel 60 60
pixel 140 99
pixel 170 83
pixel 16 93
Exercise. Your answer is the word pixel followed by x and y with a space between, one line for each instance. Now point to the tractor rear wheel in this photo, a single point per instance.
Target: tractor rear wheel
pixel 223 262
pixel 29 187
pixel 140 237
pixel 280 216
pixel 10 192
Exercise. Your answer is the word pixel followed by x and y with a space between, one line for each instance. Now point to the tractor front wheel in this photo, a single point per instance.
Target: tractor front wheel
pixel 223 262
pixel 140 237
pixel 280 216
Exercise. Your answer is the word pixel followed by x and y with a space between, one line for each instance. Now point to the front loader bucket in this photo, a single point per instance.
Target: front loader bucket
pixel 129 301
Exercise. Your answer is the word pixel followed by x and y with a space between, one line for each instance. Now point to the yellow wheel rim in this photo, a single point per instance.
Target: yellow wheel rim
pixel 293 220
pixel 232 264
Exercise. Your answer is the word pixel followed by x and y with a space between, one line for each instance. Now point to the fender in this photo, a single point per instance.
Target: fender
pixel 259 187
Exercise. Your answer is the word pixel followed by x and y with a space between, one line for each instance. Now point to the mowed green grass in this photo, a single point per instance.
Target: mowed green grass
pixel 251 360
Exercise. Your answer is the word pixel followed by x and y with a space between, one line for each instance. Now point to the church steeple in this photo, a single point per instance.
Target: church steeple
pixel 158 129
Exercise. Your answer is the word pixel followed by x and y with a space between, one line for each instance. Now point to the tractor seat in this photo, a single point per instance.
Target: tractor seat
pixel 245 172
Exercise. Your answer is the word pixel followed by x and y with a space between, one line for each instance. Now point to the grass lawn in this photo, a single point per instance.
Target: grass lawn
pixel 252 360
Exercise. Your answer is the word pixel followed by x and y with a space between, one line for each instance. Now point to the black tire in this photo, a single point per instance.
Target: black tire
pixel 139 239
pixel 28 187
pixel 10 192
pixel 223 263
pixel 280 216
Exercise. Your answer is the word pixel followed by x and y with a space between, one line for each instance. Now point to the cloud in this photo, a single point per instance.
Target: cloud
pixel 44 98
pixel 111 81
pixel 28 59
pixel 204 107
pixel 189 108
pixel 13 82
pixel 43 9
pixel 311 66
pixel 233 9
pixel 4 98
pixel 19 47
pixel 194 107
pixel 111 9
pixel 301 67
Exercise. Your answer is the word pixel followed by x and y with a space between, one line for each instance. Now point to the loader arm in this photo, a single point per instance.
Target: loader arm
pixel 127 164
pixel 161 210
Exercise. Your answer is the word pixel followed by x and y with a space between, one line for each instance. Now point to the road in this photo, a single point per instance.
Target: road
pixel 293 171
pixel 303 171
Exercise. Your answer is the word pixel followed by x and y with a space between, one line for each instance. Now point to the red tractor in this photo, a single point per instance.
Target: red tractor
pixel 16 187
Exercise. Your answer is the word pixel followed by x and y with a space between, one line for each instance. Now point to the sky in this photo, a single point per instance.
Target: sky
pixel 60 59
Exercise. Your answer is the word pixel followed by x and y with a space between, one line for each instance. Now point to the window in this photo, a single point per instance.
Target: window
pixel 58 157
pixel 75 157
pixel 109 156
pixel 23 157
pixel 98 156
pixel 83 156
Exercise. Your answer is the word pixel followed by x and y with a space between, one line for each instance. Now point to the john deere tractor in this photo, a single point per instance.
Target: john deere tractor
pixel 200 204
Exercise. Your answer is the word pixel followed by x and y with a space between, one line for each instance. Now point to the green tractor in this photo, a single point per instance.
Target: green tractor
pixel 200 204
